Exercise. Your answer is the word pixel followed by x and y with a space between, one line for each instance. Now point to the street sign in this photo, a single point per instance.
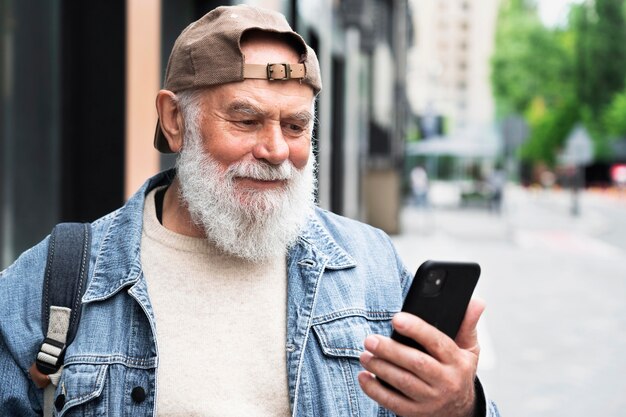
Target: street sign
pixel 514 133
pixel 578 147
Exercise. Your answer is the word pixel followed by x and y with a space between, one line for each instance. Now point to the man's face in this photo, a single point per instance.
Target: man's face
pixel 259 120
pixel 244 170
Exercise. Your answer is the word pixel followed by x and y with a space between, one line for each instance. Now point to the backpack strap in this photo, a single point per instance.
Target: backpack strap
pixel 65 279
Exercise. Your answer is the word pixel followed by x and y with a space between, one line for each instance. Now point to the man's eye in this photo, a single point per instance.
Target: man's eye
pixel 246 123
pixel 294 128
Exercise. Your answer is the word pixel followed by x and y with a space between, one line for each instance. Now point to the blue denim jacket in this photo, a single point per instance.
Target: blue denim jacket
pixel 345 282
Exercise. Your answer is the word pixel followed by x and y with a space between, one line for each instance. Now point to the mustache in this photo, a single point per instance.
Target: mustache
pixel 260 171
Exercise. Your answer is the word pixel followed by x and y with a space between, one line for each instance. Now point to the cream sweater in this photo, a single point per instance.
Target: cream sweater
pixel 221 326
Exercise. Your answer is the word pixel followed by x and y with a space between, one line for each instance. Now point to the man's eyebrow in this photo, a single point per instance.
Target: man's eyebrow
pixel 246 108
pixel 304 117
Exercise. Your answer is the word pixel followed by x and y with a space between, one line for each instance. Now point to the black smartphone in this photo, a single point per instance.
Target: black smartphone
pixel 439 294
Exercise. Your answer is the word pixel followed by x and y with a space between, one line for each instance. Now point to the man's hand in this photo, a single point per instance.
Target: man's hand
pixel 440 383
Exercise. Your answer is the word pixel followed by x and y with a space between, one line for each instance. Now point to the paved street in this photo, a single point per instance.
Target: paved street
pixel 554 334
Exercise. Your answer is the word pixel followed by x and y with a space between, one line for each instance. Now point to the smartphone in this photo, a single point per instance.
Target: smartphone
pixel 439 294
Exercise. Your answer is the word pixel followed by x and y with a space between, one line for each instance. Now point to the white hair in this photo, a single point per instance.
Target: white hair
pixel 190 105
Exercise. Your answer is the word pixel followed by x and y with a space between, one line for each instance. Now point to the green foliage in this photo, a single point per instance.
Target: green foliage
pixel 549 130
pixel 557 77
pixel 614 117
pixel 529 60
pixel 600 30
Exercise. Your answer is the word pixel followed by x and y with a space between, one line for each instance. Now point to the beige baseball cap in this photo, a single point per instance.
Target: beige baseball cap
pixel 208 52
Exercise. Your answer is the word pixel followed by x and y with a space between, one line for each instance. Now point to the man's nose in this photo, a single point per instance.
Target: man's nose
pixel 271 146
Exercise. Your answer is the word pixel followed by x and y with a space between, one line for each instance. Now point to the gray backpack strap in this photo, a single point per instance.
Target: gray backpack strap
pixel 65 279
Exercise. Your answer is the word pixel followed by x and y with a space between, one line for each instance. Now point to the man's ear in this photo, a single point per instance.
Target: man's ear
pixel 171 119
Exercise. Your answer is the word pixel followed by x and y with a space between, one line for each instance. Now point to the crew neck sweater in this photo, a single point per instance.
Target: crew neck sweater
pixel 220 326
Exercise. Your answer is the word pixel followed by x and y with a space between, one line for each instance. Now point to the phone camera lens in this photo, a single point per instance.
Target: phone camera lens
pixel 434 282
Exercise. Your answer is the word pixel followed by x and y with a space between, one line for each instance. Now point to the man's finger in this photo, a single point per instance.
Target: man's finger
pixel 387 398
pixel 467 338
pixel 421 364
pixel 410 384
pixel 436 343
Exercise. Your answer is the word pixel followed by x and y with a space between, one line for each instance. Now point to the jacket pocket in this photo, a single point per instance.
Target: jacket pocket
pixel 344 336
pixel 80 384
pixel 340 340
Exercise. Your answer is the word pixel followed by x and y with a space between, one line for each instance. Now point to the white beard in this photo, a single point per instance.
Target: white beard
pixel 251 224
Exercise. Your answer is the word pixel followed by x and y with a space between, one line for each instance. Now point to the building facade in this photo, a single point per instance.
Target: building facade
pixel 450 67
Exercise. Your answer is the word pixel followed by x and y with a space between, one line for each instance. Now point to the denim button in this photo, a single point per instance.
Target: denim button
pixel 138 394
pixel 59 402
pixel 307 262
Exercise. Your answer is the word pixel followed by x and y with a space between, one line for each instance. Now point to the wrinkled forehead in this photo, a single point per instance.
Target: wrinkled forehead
pixel 260 47
pixel 264 36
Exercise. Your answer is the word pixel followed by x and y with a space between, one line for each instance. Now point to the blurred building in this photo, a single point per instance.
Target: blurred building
pixel 77 117
pixel 450 68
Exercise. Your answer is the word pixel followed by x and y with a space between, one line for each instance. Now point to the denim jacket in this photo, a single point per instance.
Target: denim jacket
pixel 345 282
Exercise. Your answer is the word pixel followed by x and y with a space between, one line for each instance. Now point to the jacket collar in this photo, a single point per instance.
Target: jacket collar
pixel 118 259
pixel 318 236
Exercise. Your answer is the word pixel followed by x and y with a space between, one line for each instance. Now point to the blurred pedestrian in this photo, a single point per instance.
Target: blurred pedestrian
pixel 495 184
pixel 419 186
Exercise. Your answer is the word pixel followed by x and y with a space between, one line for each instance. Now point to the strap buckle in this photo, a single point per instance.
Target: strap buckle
pixel 278 71
pixel 50 357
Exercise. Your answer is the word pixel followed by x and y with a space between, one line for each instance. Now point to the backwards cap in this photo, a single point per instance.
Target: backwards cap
pixel 208 53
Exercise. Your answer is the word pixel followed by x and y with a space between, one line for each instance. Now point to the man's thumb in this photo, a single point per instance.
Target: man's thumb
pixel 467 338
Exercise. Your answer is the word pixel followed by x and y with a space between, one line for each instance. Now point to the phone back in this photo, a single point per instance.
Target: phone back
pixel 439 295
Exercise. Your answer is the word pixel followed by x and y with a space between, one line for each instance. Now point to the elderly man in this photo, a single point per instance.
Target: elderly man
pixel 219 289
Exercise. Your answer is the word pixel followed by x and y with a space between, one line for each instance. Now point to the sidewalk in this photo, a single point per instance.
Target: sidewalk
pixel 445 233
pixel 449 232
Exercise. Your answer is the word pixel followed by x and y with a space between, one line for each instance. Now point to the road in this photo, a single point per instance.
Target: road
pixel 554 334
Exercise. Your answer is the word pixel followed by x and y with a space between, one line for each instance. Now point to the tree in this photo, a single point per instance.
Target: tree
pixel 600 30
pixel 558 76
pixel 614 116
pixel 533 75
pixel 529 60
pixel 548 130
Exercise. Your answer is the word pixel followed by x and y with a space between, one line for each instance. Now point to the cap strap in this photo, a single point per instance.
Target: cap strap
pixel 278 71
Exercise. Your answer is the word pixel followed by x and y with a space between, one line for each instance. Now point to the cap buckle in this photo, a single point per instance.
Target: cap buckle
pixel 274 70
